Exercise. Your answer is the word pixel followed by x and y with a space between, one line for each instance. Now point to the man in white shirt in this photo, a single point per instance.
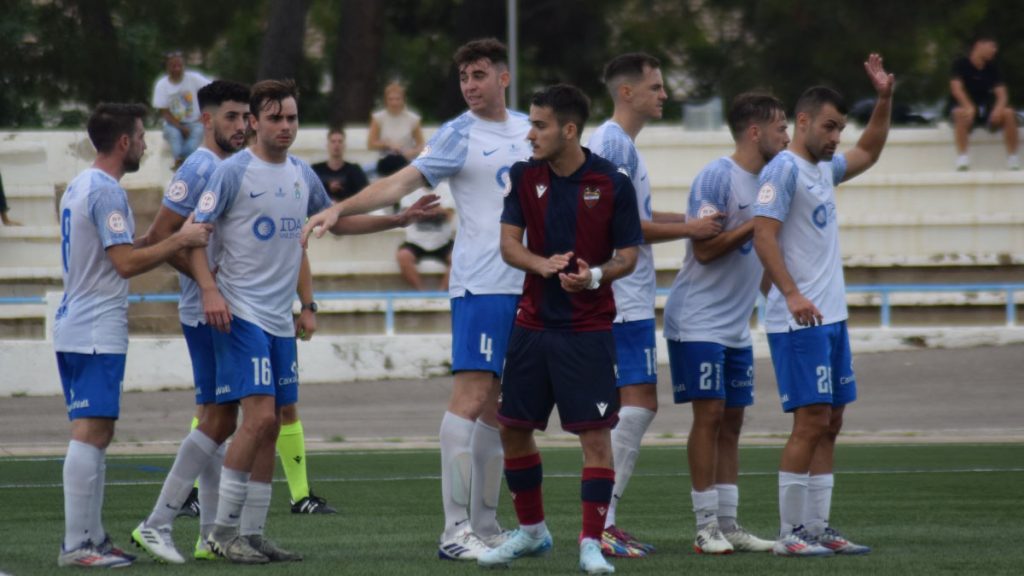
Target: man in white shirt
pixel 90 334
pixel 474 152
pixel 796 235
pixel 636 86
pixel 176 98
pixel 707 322
pixel 429 238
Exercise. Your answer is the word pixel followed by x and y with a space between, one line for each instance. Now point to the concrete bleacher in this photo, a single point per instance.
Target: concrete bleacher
pixel 910 215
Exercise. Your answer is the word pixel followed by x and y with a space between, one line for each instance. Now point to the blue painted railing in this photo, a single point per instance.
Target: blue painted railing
pixel 883 290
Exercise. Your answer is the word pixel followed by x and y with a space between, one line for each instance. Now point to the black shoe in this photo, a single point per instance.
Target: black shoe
pixel 312 504
pixel 191 506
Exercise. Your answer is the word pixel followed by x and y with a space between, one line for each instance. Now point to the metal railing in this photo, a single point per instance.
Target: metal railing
pixel 389 298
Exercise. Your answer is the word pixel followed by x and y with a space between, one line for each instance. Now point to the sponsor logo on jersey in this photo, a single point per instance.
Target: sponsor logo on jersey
pixel 741 384
pixel 263 228
pixel 541 189
pixel 502 178
pixel 116 222
pixel 489 152
pixel 280 193
pixel 823 214
pixel 591 196
pixel 290 227
pixel 177 191
pixel 208 201
pixel 743 206
pixel 766 194
pixel 844 380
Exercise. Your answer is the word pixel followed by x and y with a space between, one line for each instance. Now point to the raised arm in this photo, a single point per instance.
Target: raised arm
pixel 425 207
pixel 872 140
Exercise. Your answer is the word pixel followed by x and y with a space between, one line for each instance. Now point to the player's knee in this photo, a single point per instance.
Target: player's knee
pixel 262 424
pixel 405 257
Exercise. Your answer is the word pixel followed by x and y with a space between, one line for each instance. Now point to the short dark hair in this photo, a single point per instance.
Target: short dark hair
pixel 336 129
pixel 982 36
pixel 220 91
pixel 812 100
pixel 629 66
pixel 568 102
pixel 109 121
pixel 752 108
pixel 482 48
pixel 266 91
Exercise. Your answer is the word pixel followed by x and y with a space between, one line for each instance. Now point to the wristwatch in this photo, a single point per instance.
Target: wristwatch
pixel 312 307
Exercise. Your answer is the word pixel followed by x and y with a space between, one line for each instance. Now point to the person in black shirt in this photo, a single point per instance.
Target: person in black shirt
pixel 978 97
pixel 341 179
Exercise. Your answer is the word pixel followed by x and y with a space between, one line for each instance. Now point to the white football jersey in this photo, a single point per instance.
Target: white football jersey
pixel 802 196
pixel 713 302
pixel 258 210
pixel 475 156
pixel 634 294
pixel 181 197
pixel 93 315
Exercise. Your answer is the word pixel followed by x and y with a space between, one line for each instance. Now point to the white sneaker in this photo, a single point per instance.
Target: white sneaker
pixel 963 163
pixel 1013 162
pixel 158 543
pixel 743 541
pixel 710 540
pixel 518 545
pixel 464 545
pixel 798 544
pixel 498 539
pixel 838 543
pixel 89 556
pixel 591 559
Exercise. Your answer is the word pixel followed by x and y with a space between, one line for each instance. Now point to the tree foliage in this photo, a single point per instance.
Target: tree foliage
pixel 59 57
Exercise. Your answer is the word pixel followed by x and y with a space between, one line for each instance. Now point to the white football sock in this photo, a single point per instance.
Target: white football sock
pixel 535 530
pixel 209 490
pixel 257 504
pixel 626 438
pixel 488 467
pixel 456 470
pixel 193 456
pixel 728 504
pixel 705 506
pixel 792 496
pixel 97 531
pixel 81 473
pixel 819 502
pixel 234 486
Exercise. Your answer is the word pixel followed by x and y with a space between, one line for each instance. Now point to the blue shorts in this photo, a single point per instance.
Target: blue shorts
pixel 92 384
pixel 481 325
pixel 572 370
pixel 204 365
pixel 814 366
pixel 251 362
pixel 711 371
pixel 636 352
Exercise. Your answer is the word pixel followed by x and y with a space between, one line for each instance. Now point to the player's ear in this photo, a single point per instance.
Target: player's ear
pixel 504 77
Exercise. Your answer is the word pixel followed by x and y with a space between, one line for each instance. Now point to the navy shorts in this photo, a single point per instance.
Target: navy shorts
pixel 572 370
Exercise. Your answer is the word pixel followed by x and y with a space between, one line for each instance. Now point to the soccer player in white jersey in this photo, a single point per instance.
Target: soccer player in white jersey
pixel 257 200
pixel 707 322
pixel 224 107
pixel 637 89
pixel 474 152
pixel 796 235
pixel 90 334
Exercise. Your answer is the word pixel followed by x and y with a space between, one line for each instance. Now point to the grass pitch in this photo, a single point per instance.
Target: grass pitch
pixel 925 509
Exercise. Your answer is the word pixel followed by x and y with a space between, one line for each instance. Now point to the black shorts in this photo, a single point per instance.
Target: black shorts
pixel 573 370
pixel 440 254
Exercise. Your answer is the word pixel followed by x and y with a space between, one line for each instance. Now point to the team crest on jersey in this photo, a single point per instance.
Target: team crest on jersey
pixel 207 202
pixel 591 196
pixel 177 191
pixel 116 222
pixel 766 194
pixel 298 191
pixel 706 210
pixel 541 189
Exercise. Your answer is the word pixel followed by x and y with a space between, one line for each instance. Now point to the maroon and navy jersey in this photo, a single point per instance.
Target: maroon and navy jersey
pixel 590 213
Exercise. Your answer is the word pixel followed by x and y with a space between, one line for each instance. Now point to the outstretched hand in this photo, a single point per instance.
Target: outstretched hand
pixel 428 206
pixel 318 224
pixel 880 79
